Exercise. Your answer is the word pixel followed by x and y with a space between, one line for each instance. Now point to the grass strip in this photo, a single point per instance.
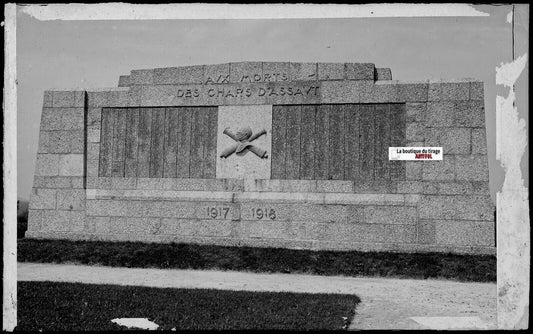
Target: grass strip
pixel 468 268
pixel 54 306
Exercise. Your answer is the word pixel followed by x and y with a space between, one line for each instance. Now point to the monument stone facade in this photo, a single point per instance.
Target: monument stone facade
pixel 266 154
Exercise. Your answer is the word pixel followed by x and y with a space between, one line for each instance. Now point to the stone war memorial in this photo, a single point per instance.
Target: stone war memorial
pixel 266 154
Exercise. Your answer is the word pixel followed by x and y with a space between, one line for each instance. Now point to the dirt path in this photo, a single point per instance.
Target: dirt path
pixel 386 303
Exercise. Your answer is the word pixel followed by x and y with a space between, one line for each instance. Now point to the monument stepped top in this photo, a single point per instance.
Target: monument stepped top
pixel 254 72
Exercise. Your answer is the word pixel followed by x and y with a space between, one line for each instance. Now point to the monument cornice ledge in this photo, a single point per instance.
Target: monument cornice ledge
pixel 361 82
pixel 247 197
pixel 256 71
pixel 380 82
pixel 270 93
pixel 108 89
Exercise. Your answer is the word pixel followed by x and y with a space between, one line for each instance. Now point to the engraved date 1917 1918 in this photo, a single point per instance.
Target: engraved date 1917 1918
pixel 259 213
pixel 217 212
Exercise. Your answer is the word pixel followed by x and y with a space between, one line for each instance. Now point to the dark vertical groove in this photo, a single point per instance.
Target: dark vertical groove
pixel 164 141
pixel 125 111
pixel 346 128
pixel 179 120
pixel 300 144
pixel 85 139
pixel 359 141
pixel 388 144
pixel 150 140
pixel 285 144
pixel 113 130
pixel 190 139
pixel 344 111
pixel 204 116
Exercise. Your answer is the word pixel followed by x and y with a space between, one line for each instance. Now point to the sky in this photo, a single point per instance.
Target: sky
pixel 93 54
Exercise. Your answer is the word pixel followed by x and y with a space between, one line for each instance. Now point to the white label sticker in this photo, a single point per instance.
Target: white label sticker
pixel 415 153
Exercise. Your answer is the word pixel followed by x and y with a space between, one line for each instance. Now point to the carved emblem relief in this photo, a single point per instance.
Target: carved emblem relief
pixel 244 146
pixel 243 143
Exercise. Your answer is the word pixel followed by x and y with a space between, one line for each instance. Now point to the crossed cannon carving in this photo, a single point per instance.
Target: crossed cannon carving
pixel 244 139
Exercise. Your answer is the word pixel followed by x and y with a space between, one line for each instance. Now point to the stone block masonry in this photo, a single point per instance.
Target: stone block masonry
pixel 146 162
